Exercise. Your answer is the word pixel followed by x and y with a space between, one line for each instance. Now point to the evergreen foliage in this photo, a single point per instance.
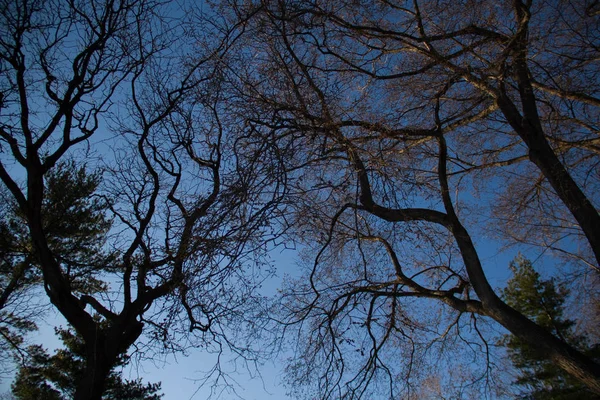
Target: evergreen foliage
pixel 55 377
pixel 543 301
pixel 75 222
pixel 76 225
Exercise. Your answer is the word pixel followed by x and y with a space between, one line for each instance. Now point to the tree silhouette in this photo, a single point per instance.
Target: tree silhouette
pixel 411 131
pixel 188 193
pixel 56 377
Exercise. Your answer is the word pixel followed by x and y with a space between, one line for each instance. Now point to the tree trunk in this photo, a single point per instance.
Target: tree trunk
pixel 542 155
pixel 98 364
pixel 529 127
pixel 565 356
pixel 103 347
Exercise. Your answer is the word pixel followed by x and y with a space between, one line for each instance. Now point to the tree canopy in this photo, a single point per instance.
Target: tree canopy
pixel 417 135
pixel 132 91
pixel 151 154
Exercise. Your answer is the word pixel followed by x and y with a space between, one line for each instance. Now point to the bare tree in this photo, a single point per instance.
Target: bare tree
pixel 389 113
pixel 189 196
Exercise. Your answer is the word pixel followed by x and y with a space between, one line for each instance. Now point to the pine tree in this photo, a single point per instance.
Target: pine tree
pixel 543 301
pixel 55 377
pixel 74 218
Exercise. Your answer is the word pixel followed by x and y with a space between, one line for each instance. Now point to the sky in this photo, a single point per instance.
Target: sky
pixel 179 375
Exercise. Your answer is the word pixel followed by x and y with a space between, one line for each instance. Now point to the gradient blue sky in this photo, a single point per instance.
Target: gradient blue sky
pixel 179 374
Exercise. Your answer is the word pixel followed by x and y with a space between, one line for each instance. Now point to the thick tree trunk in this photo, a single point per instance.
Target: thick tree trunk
pixel 542 155
pixel 103 347
pixel 528 126
pixel 97 368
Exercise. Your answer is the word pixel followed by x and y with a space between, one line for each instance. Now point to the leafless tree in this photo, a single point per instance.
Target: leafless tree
pixel 133 87
pixel 389 115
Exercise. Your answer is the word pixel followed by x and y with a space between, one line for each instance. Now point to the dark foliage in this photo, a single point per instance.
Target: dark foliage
pixel 543 301
pixel 56 377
